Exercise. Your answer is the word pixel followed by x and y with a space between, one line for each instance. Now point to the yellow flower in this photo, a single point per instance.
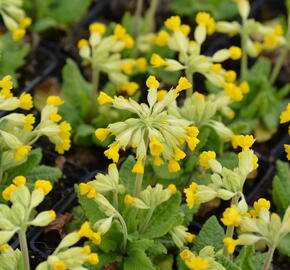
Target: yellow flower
pixel 161 39
pixel 21 152
pixel 96 238
pixel 245 88
pixel 183 83
pixel 156 148
pixel 235 52
pixel 3 247
pixel 279 30
pixel 192 131
pixel 285 116
pixel 54 101
pixel 25 101
pixel 18 33
pixel 129 199
pixel 230 76
pixel 216 67
pixel 157 61
pixel 231 216
pixel 258 46
pixel 141 64
pixel 54 117
pixel 53 215
pixel 202 18
pixel 103 98
pixel 59 266
pixel 190 194
pixel 192 142
pixel 258 205
pixel 29 121
pixel 287 150
pixel 172 188
pixel 244 141
pixel 211 27
pixel 127 67
pixel 185 254
pixel 205 156
pixel 87 249
pixel 25 22
pixel 173 165
pixel 97 28
pixel 271 41
pixel 138 167
pixel 178 154
pixel 233 91
pixel 185 29
pixel 87 190
pixel 6 83
pixel 119 31
pixel 43 185
pixel 231 244
pixel 128 41
pixel 173 23
pixel 93 258
pixel 82 43
pixel 85 230
pixel 19 180
pixel 102 133
pixel 161 94
pixel 158 161
pixel 197 263
pixel 113 151
pixel 6 193
pixel 190 237
pixel 151 82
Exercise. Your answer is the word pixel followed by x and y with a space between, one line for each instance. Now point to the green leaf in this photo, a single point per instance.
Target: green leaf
pixel 211 234
pixel 44 24
pixel 62 12
pixel 112 240
pixel 188 213
pixel 137 259
pixel 227 263
pixel 44 172
pixel 83 135
pixel 244 260
pixel 127 177
pixel 90 208
pixel 164 262
pixel 284 246
pixel 258 260
pixel 229 160
pixel 76 89
pixel 12 55
pixel 165 216
pixel 33 159
pixel 78 219
pixel 281 187
pixel 157 249
pixel 163 173
pixel 261 68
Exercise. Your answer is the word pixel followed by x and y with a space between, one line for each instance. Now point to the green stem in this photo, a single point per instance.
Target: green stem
pixel 115 199
pixel 278 65
pixel 125 231
pixel 150 18
pixel 268 259
pixel 24 249
pixel 138 184
pixel 244 60
pixel 189 76
pixel 137 16
pixel 230 229
pixel 95 87
pixel 146 221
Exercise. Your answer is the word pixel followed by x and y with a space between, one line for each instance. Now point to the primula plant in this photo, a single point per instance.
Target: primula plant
pixel 168 131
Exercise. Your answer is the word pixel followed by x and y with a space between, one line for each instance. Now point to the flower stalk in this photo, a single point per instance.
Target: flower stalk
pixel 24 249
pixel 268 259
pixel 95 87
pixel 244 60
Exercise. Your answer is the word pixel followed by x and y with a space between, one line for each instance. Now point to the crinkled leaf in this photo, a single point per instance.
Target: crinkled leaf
pixel 227 263
pixel 44 172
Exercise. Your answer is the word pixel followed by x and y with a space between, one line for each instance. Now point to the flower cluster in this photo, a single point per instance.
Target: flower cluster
pixel 284 118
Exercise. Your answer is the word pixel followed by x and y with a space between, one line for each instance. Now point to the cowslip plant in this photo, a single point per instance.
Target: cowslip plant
pixel 18 132
pixel 20 215
pixel 271 36
pixel 154 129
pixel 14 18
pixel 190 58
